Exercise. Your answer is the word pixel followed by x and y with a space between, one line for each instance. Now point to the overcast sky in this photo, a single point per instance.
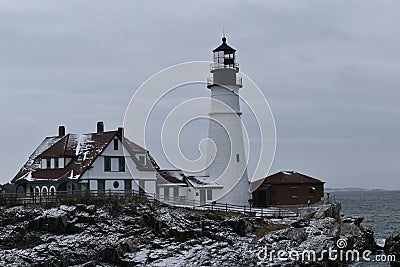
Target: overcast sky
pixel 329 69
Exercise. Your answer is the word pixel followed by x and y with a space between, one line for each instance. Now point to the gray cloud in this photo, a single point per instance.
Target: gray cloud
pixel 330 70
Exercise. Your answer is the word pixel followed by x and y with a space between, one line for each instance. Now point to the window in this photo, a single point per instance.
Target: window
pixel 142 160
pixel 311 191
pixel 176 192
pixel 101 185
pixel 293 192
pixel 115 144
pixel 141 187
pixel 237 158
pixel 52 191
pixel 116 184
pixel 128 185
pixel 48 163
pixel 228 56
pixel 107 164
pixel 44 191
pixel 121 162
pixel 114 164
pixel 166 193
pixel 56 165
pixel 209 194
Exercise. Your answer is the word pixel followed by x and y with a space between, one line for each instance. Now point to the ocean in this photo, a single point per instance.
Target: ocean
pixel 380 209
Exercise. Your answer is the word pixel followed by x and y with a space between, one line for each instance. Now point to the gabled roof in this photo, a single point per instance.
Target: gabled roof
pixel 134 148
pixel 82 149
pixel 289 177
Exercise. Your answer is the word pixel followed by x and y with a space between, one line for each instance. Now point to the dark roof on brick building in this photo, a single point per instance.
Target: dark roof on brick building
pixel 289 177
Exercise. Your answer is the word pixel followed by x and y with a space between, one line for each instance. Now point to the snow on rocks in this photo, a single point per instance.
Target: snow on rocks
pixel 151 235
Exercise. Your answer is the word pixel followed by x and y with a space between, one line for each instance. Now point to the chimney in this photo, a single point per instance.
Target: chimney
pixel 121 132
pixel 61 131
pixel 100 127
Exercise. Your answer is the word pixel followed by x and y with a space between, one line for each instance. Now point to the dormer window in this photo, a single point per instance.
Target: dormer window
pixel 79 159
pixel 115 144
pixel 142 159
pixel 52 163
pixel 48 163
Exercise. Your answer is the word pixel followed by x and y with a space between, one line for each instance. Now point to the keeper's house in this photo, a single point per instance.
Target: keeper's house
pixel 95 161
pixel 288 188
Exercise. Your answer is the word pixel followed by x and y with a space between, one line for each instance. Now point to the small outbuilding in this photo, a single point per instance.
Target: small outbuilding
pixel 288 188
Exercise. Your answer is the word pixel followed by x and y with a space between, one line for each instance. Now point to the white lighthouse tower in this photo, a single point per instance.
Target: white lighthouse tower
pixel 228 162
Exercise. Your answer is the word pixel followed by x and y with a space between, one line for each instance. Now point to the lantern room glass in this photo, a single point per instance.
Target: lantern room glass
pixel 225 59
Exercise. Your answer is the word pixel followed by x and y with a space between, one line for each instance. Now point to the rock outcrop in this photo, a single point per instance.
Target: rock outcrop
pixel 392 247
pixel 149 235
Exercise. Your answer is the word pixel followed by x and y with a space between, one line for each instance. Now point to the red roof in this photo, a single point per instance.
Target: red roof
pixel 290 177
pixel 82 149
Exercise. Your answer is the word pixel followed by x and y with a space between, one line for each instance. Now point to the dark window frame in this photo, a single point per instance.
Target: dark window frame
pixel 142 187
pixel 294 191
pixel 176 192
pixel 209 194
pixel 311 192
pixel 121 164
pixel 101 182
pixel 107 164
pixel 116 141
pixel 48 163
pixel 142 159
pixel 128 185
pixel 166 193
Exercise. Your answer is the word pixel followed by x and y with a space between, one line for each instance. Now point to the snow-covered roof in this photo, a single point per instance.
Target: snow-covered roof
pixel 82 149
pixel 201 181
pixel 177 177
pixel 170 177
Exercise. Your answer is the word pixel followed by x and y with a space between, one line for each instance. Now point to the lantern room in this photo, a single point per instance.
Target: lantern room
pixel 224 57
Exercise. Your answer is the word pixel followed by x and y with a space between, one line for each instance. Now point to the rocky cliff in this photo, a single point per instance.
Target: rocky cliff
pixel 152 235
pixel 392 247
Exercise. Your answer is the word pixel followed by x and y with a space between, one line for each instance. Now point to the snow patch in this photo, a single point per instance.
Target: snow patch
pixel 81 140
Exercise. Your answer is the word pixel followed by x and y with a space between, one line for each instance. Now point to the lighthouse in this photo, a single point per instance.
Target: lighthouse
pixel 226 153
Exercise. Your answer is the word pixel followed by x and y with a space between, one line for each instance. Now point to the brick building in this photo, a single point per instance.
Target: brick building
pixel 288 188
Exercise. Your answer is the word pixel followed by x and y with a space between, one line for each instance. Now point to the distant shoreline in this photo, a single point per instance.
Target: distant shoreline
pixel 353 189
